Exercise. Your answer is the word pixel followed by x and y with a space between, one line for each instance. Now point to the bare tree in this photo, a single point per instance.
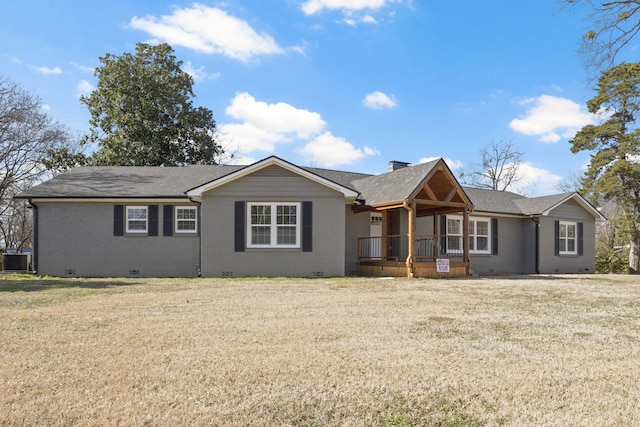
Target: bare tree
pixel 613 25
pixel 16 225
pixel 26 136
pixel 498 169
pixel 571 183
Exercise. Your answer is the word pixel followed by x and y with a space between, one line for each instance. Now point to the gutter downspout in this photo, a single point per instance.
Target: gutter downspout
pixel 537 222
pixel 34 258
pixel 199 234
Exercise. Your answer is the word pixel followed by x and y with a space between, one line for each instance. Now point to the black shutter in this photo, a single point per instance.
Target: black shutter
pixel 239 229
pixel 494 236
pixel 556 249
pixel 580 239
pixel 118 220
pixel 443 234
pixel 307 226
pixel 153 220
pixel 167 220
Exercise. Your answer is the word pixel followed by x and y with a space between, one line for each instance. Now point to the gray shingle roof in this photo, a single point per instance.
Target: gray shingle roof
pixel 345 179
pixel 506 202
pixel 173 182
pixel 127 181
pixel 537 205
pixel 395 185
pixel 494 201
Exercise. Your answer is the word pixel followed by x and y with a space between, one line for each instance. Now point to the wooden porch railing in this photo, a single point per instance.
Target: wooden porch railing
pixel 396 248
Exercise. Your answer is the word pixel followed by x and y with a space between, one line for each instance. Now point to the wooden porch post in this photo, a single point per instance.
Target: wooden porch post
pixel 410 207
pixel 385 233
pixel 465 235
pixel 436 231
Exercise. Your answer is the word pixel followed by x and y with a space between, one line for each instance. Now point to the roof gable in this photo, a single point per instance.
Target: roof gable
pixel 196 192
pixel 545 204
pixel 441 185
pixel 428 182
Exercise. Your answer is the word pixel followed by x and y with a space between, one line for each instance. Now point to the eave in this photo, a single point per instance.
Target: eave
pixel 132 199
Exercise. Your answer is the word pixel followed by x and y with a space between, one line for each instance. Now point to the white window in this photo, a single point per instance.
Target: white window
pixel 137 219
pixel 186 219
pixel 567 238
pixel 454 235
pixel 479 236
pixel 273 225
pixel 479 233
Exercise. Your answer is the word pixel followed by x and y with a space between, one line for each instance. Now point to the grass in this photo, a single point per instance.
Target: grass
pixel 500 351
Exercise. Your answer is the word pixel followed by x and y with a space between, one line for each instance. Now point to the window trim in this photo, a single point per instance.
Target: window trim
pixel 566 239
pixel 177 220
pixel 273 226
pixel 128 230
pixel 472 237
pixel 475 236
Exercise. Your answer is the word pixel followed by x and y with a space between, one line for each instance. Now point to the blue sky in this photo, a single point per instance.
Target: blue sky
pixel 342 84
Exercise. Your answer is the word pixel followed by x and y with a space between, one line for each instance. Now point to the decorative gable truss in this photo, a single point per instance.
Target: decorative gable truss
pixel 440 192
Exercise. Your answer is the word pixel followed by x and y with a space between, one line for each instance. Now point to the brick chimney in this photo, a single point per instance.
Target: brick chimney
pixel 394 165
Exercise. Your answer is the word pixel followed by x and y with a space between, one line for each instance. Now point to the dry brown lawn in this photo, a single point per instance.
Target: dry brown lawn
pixel 510 351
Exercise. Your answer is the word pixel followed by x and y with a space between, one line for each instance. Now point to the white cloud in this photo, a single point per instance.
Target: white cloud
pixel 534 181
pixel 280 118
pixel 83 68
pixel 464 107
pixel 354 11
pixel 328 150
pixel 198 74
pixel 264 126
pixel 209 30
pixel 454 165
pixel 379 100
pixel 368 19
pixel 84 88
pixel 249 137
pixel 13 59
pixel 47 70
pixel 551 118
pixel 353 19
pixel 311 7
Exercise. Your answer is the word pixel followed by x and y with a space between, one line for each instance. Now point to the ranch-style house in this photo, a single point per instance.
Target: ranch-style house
pixel 275 218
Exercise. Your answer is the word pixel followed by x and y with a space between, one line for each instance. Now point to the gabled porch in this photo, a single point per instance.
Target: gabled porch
pixel 416 239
